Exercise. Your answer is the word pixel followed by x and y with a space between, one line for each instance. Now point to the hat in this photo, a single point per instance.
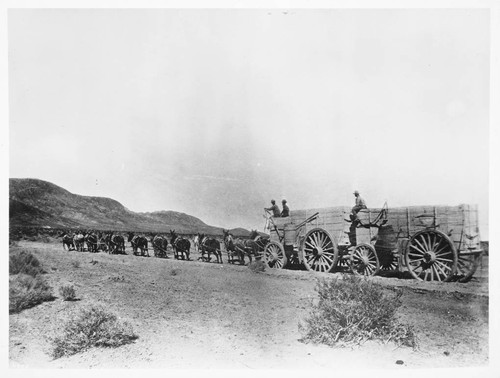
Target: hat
pixel 356 192
pixel 284 201
pixel 273 201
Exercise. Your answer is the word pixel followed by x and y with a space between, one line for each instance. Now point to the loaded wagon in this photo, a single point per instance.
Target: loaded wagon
pixel 430 243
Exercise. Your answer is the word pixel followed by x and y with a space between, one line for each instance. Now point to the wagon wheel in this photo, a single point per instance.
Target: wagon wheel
pixel 363 260
pixel 343 260
pixel 431 256
pixel 388 261
pixel 319 251
pixel 467 265
pixel 274 255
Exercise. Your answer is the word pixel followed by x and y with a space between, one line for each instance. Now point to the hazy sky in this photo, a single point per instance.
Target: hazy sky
pixel 215 112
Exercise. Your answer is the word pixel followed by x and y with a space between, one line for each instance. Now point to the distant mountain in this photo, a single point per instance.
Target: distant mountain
pixel 38 203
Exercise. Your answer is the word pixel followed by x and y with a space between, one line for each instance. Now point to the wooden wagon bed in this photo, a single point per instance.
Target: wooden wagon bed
pixel 431 242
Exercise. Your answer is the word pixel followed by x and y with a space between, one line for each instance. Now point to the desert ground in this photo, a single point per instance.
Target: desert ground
pixel 198 315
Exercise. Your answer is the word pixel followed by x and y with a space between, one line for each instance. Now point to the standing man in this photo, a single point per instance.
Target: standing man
pixel 360 204
pixel 274 208
pixel 286 211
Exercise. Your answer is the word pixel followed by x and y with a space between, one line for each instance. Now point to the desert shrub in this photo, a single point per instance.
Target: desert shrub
pixel 257 266
pixel 92 327
pixel 353 310
pixel 75 264
pixel 26 291
pixel 44 239
pixel 174 272
pixel 67 292
pixel 24 262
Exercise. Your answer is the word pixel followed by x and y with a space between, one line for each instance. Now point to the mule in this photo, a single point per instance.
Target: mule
pixel 115 243
pixel 232 249
pixel 210 245
pixel 91 240
pixel 68 244
pixel 138 243
pixel 160 244
pixel 180 245
pixel 262 241
pixel 79 241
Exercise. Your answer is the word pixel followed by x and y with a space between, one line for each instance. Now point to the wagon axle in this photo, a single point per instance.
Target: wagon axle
pixel 430 257
pixel 317 251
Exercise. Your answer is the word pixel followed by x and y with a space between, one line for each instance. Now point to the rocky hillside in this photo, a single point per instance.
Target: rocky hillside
pixel 37 203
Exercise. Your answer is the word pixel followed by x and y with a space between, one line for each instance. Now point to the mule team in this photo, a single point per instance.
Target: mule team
pixel 236 248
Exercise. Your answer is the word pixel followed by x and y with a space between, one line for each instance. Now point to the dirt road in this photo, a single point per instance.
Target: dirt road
pixel 205 315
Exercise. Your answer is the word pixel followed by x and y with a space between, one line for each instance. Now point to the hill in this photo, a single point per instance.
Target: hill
pixel 38 203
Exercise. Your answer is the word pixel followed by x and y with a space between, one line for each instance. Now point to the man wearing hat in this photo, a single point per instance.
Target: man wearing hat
pixel 274 208
pixel 286 211
pixel 360 204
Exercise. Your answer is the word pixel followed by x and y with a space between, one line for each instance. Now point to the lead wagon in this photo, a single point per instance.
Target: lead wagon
pixel 431 243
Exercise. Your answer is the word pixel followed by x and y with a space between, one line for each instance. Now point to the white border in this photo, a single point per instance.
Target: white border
pixel 493 370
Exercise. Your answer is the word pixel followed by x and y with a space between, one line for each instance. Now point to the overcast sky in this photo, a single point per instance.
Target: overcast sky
pixel 215 112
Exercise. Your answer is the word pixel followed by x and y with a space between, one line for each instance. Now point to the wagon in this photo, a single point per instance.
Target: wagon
pixel 430 243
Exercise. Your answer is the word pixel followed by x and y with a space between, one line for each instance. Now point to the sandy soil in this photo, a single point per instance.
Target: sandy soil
pixel 205 315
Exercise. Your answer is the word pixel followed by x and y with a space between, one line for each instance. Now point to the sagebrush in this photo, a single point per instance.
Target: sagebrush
pixel 67 292
pixel 24 262
pixel 26 291
pixel 353 310
pixel 92 327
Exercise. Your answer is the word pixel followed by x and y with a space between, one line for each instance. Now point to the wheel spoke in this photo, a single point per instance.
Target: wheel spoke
pixel 310 245
pixel 370 269
pixel 328 243
pixel 421 246
pixel 424 242
pixel 313 239
pixel 445 247
pixel 431 244
pixel 443 259
pixel 415 261
pixel 415 255
pixel 437 243
pixel 319 264
pixel 421 251
pixel 324 263
pixel 320 239
pixel 426 274
pixel 443 265
pixel 418 268
pixel 327 258
pixel 441 270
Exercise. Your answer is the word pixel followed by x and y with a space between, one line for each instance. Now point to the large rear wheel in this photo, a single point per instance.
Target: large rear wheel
pixel 319 251
pixel 431 256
